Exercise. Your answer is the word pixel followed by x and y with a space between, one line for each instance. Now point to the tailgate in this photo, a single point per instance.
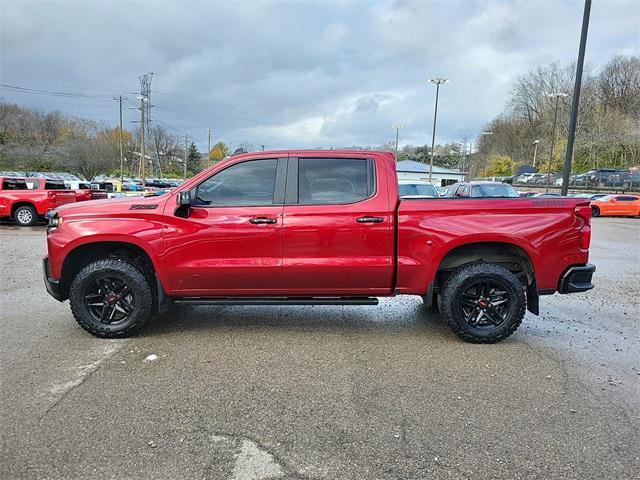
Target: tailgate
pixel 99 194
pixel 60 197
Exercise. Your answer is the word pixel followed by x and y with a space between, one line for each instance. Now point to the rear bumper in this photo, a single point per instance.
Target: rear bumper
pixel 51 284
pixel 577 279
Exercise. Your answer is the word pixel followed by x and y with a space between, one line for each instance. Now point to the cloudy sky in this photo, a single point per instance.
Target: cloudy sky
pixel 298 73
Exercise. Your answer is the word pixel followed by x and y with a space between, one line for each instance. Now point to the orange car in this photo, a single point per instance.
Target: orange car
pixel 618 205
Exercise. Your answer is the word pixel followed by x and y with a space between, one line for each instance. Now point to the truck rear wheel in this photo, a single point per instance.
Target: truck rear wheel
pixel 483 303
pixel 111 298
pixel 25 215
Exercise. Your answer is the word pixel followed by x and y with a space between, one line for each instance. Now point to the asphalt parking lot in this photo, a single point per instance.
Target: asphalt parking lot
pixel 383 392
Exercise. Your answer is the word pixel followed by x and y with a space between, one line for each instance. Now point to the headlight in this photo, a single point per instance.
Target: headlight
pixel 54 220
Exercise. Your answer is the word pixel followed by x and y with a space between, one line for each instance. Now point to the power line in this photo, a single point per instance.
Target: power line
pixel 34 91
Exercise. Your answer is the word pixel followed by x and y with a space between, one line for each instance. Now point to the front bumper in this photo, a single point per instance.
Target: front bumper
pixel 577 279
pixel 51 284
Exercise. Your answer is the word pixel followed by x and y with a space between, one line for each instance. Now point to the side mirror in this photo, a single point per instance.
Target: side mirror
pixel 185 199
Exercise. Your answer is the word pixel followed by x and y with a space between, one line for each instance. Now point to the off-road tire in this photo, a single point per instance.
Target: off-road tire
pixel 25 216
pixel 595 212
pixel 457 284
pixel 134 278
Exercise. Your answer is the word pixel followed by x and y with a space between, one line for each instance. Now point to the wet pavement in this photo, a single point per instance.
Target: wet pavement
pixel 356 392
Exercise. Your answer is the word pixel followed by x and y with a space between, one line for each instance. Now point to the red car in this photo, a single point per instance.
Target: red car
pixel 315 228
pixel 85 192
pixel 27 200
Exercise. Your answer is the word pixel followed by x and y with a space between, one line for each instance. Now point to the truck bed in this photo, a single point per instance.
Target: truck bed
pixel 429 229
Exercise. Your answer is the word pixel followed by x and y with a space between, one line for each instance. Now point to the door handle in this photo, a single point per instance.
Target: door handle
pixel 370 220
pixel 261 220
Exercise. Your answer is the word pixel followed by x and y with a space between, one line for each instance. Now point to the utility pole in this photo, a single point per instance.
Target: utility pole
pixel 262 147
pixel 437 82
pixel 397 127
pixel 209 147
pixel 576 98
pixel 484 158
pixel 535 151
pixel 143 152
pixel 121 144
pixel 145 93
pixel 557 96
pixel 186 141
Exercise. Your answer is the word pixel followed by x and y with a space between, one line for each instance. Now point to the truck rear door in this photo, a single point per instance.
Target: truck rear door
pixel 337 227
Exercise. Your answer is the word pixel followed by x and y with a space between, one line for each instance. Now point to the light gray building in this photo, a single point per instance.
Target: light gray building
pixel 418 171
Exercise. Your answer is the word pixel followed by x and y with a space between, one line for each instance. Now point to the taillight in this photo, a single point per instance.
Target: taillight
pixel 583 212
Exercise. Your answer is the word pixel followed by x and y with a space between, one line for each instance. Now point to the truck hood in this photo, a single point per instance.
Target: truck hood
pixel 114 206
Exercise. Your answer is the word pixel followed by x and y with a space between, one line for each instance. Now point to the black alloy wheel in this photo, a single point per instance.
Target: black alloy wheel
pixel 109 300
pixel 485 303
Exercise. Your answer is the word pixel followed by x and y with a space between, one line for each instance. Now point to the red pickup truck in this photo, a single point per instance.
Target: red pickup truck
pixel 27 200
pixel 315 228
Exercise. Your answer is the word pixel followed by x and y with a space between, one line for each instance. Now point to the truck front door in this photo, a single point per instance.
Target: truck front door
pixel 231 242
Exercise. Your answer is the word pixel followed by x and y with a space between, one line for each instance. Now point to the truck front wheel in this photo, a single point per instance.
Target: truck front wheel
pixel 110 298
pixel 483 303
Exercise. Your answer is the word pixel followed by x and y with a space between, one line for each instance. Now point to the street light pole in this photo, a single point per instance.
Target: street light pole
pixel 535 151
pixel 484 158
pixel 557 96
pixel 209 147
pixel 397 127
pixel 185 156
pixel 437 82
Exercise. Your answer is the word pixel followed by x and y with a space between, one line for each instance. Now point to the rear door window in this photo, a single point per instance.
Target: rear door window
pixel 323 181
pixel 50 185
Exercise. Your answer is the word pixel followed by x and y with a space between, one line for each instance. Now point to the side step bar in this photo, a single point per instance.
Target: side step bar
pixel 277 301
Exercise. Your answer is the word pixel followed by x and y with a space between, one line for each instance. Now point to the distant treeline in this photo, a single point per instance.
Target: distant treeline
pixel 34 141
pixel 608 131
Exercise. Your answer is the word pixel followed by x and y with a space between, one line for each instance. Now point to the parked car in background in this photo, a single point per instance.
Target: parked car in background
pixel 623 179
pixel 616 205
pixel 590 196
pixel 84 191
pixel 599 177
pixel 481 189
pixel 525 178
pixel 106 187
pixel 579 180
pixel 527 194
pixel 412 189
pixel 27 200
pixel 541 178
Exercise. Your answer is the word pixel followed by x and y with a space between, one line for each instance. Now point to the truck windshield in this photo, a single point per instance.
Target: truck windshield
pixel 493 190
pixel 418 189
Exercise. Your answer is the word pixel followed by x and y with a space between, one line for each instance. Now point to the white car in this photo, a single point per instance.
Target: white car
pixel 417 189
